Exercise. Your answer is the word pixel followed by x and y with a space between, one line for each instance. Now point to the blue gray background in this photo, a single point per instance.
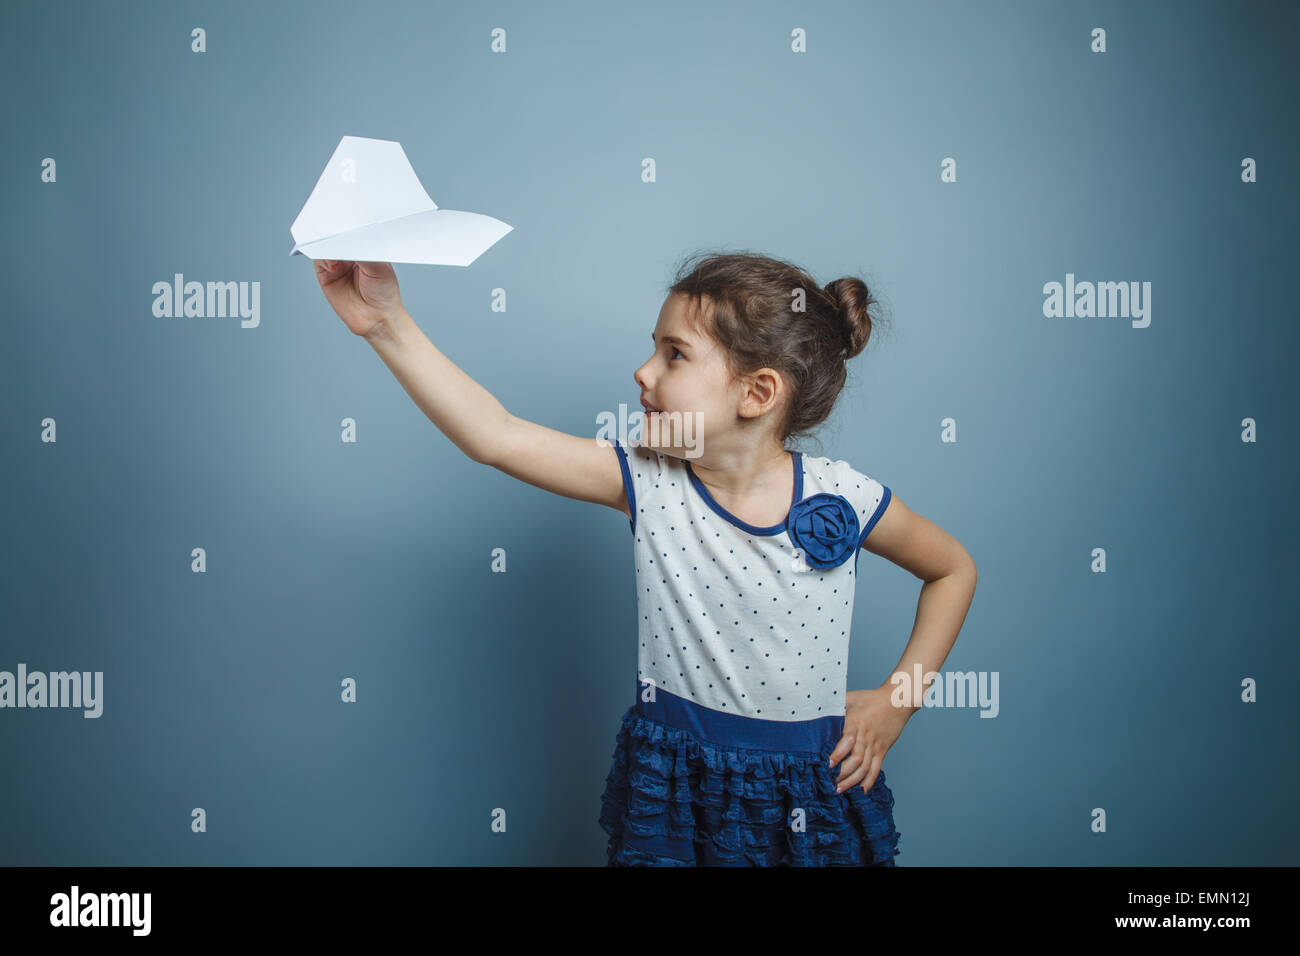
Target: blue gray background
pixel 478 690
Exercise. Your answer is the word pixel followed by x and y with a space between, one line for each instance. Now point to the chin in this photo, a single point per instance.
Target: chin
pixel 656 429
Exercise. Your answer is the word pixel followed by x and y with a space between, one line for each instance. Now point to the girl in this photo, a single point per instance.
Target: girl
pixel 745 553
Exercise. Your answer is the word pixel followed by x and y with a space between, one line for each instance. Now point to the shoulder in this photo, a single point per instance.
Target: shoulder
pixel 870 497
pixel 643 465
pixel 646 475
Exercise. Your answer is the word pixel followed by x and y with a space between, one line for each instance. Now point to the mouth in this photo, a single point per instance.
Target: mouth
pixel 650 409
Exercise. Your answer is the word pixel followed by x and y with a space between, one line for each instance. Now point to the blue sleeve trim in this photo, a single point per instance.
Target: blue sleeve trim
pixel 871 522
pixel 627 485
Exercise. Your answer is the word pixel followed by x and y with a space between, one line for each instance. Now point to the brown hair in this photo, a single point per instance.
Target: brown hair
pixel 751 313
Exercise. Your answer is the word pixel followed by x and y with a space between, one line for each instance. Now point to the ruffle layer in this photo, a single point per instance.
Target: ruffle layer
pixel 672 799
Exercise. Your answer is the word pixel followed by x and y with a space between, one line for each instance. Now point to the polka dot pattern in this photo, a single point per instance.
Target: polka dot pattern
pixel 728 616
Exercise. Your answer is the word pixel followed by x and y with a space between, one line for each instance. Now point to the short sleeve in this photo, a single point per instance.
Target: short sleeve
pixel 868 496
pixel 875 499
pixel 643 469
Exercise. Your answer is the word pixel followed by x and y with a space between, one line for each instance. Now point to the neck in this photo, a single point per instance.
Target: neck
pixel 742 471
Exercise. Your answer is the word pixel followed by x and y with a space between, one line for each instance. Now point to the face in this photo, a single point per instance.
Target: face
pixel 686 379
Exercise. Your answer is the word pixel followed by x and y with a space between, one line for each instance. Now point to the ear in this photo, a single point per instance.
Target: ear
pixel 762 392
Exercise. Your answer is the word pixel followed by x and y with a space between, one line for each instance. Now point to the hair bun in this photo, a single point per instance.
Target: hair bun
pixel 853 302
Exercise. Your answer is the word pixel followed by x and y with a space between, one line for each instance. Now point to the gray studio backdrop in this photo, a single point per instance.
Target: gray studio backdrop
pixel 958 156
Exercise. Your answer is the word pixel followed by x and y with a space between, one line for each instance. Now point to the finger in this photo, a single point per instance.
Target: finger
pixel 842 749
pixel 331 271
pixel 875 772
pixel 851 779
pixel 860 750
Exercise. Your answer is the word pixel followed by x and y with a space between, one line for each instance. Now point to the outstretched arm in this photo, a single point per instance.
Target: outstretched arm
pixel 480 426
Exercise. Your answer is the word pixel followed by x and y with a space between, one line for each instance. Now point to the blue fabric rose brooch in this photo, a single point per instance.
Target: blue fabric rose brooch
pixel 825 528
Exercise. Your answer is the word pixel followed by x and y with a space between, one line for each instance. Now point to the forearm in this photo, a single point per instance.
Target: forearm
pixel 940 613
pixel 463 410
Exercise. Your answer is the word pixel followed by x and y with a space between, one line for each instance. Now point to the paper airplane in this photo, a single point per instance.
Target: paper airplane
pixel 368 206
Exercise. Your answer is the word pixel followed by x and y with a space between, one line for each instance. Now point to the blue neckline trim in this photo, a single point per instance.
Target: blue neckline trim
pixel 797 460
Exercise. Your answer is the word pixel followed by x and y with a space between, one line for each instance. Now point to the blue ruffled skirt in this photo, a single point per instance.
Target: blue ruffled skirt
pixel 691 786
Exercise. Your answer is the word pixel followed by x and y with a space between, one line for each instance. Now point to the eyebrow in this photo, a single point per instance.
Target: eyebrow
pixel 670 338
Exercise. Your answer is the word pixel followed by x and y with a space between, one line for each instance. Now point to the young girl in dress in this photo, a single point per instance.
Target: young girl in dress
pixel 745 552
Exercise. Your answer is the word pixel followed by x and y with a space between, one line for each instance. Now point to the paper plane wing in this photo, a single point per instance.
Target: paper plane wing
pixel 369 206
pixel 447 237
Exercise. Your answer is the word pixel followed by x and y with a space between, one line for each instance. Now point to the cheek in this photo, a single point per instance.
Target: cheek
pixel 678 392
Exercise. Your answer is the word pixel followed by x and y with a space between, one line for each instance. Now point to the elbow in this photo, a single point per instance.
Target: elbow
pixel 965 568
pixel 484 456
pixel 962 570
pixel 495 449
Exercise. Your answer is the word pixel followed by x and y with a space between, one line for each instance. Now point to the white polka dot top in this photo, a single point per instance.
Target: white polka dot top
pixel 732 616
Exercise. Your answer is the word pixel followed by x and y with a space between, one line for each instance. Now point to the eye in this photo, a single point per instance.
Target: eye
pixel 678 351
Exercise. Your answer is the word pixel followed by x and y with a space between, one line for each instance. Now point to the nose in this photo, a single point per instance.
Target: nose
pixel 640 377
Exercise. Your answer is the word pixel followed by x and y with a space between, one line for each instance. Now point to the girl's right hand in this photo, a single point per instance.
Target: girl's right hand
pixel 364 294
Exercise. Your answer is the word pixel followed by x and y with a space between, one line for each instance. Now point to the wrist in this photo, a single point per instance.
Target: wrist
pixel 391 330
pixel 900 699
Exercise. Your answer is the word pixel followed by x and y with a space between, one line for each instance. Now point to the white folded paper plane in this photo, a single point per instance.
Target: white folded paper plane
pixel 368 206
